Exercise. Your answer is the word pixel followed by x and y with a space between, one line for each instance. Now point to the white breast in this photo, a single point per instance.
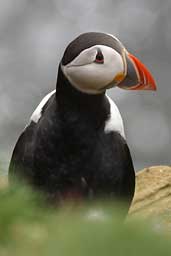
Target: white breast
pixel 38 111
pixel 114 122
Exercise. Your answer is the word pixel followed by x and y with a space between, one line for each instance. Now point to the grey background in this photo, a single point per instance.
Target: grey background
pixel 33 36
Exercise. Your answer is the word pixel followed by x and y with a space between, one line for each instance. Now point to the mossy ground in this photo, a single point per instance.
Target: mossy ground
pixel 29 227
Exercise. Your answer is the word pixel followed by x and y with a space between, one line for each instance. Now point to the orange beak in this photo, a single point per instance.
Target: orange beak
pixel 137 76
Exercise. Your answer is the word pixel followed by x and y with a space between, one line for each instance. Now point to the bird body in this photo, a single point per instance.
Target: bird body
pixel 75 146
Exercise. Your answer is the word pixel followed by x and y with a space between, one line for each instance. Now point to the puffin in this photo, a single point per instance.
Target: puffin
pixel 74 147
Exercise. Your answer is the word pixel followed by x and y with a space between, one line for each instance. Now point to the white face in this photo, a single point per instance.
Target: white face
pixel 91 77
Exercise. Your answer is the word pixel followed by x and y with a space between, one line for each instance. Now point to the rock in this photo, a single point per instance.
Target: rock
pixel 153 192
pixel 3 182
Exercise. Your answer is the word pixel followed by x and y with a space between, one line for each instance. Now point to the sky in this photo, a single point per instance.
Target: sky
pixel 33 37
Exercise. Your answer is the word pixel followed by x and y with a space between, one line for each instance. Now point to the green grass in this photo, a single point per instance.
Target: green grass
pixel 29 227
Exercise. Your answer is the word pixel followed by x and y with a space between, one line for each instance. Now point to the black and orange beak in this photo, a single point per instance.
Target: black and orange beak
pixel 136 76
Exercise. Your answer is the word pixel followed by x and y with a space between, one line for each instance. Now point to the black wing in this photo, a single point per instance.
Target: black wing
pixel 121 171
pixel 129 177
pixel 125 168
pixel 22 158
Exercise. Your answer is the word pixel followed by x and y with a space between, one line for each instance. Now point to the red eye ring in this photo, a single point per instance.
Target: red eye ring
pixel 99 57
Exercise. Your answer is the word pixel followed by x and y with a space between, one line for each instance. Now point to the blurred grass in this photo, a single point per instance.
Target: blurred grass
pixel 29 227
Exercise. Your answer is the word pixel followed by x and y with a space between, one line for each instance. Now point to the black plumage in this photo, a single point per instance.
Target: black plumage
pixel 68 154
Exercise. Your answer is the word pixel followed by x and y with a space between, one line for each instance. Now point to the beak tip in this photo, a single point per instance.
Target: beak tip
pixel 153 85
pixel 155 88
pixel 150 86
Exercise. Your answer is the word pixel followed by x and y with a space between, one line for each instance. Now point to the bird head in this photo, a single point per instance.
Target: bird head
pixel 94 62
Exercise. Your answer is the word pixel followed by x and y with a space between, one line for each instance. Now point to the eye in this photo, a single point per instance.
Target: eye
pixel 99 57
